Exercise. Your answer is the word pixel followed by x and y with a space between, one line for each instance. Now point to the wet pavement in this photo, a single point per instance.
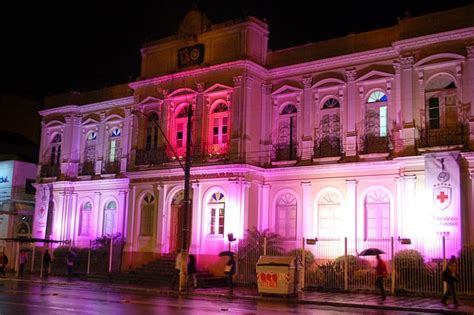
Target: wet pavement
pixel 355 301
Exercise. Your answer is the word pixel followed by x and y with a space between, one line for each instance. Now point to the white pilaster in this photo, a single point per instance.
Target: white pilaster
pixel 263 206
pixel 196 225
pixel 306 215
pixel 353 223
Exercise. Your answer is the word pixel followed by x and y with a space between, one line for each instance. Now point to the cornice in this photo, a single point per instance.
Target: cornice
pixel 92 107
pixel 333 62
pixel 250 65
pixel 417 42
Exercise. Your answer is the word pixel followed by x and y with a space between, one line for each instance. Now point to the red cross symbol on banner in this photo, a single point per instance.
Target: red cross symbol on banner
pixel 441 197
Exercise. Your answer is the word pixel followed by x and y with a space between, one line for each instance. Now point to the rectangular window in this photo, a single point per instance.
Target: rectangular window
pixel 221 221
pixel 149 138
pixel 212 229
pixel 224 130
pixel 179 135
pixel 383 121
pixel 433 113
pixel 113 151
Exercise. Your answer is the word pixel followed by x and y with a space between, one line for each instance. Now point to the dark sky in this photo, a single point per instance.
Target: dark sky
pixel 52 47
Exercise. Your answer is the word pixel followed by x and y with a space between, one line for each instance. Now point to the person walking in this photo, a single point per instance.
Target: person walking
pixel 23 260
pixel 229 271
pixel 192 271
pixel 69 264
pixel 46 263
pixel 3 264
pixel 177 270
pixel 450 276
pixel 381 273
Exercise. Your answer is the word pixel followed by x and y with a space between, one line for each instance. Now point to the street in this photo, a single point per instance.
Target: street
pixel 33 298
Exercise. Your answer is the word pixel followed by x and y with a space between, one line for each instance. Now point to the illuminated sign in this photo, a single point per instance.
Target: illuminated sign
pixel 3 179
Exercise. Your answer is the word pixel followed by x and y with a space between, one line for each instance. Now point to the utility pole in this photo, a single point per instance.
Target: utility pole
pixel 186 209
pixel 186 215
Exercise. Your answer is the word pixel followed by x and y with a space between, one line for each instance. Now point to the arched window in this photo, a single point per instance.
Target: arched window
pixel 152 132
pixel 376 114
pixel 219 130
pixel 329 129
pixel 286 216
pixel 110 210
pixel 329 215
pixel 216 214
pixel 85 219
pixel 377 215
pixel 440 102
pixel 287 137
pixel 114 145
pixel 56 150
pixel 181 124
pixel 89 151
pixel 146 216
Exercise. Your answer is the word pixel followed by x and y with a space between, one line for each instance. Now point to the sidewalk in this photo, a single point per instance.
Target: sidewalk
pixel 357 300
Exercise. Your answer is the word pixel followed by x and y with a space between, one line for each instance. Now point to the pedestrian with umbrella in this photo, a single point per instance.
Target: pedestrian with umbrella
pixel 380 269
pixel 229 269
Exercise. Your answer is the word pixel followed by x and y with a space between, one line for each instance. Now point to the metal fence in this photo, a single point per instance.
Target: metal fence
pixel 101 256
pixel 414 265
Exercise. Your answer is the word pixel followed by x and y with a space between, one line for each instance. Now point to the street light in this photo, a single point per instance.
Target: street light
pixel 187 176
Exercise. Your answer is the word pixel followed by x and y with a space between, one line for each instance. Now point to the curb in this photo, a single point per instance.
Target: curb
pixel 192 293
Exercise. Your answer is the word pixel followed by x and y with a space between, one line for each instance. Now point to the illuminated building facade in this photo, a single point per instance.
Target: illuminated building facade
pixel 368 136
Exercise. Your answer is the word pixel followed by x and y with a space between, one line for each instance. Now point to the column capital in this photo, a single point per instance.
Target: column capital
pixel 351 74
pixel 237 80
pixel 200 86
pixel 195 185
pixel 471 175
pixel 470 52
pixel 305 184
pixel 407 62
pixel 265 186
pixel 307 82
pixel 267 88
pixel 351 182
pixel 246 184
pixel 410 178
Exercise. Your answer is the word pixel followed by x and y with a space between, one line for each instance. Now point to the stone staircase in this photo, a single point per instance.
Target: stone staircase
pixel 158 272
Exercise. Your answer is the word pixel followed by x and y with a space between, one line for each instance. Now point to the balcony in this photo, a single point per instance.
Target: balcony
pixel 216 152
pixel 372 144
pixel 152 157
pixel 284 153
pixel 87 168
pixel 328 147
pixel 451 137
pixel 50 170
pixel 111 167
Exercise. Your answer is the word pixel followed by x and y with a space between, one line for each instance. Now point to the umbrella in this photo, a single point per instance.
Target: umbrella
pixel 371 252
pixel 226 253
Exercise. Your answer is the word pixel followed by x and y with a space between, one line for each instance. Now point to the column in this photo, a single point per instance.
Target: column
pixel 244 217
pixel 157 188
pixel 468 84
pixel 74 218
pixel 102 143
pixel 352 105
pixel 408 107
pixel 61 217
pixel 307 120
pixel 196 226
pixel 247 131
pixel 237 117
pixel 413 218
pixel 97 211
pixel 306 215
pixel 263 206
pixel 201 121
pixel 397 225
pixel 266 124
pixel 354 223
pixel 130 236
pixel 126 140
pixel 122 214
pixel 163 219
pixel 470 213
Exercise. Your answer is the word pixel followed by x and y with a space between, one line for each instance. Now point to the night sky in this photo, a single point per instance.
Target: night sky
pixel 51 47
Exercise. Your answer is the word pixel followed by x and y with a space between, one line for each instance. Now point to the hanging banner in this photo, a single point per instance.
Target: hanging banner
pixel 443 198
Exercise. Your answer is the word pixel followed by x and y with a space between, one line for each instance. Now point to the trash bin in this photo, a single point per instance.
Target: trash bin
pixel 276 275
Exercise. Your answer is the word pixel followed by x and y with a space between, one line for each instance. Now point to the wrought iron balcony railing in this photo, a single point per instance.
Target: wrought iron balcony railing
pixel 152 157
pixel 442 137
pixel 216 151
pixel 374 144
pixel 87 168
pixel 109 167
pixel 284 152
pixel 50 170
pixel 327 147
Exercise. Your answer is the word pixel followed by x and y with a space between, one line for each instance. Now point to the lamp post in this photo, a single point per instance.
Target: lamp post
pixel 187 178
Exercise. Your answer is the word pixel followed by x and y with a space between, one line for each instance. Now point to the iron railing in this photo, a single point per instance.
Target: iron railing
pixel 374 144
pixel 441 137
pixel 284 152
pixel 50 170
pixel 87 168
pixel 327 147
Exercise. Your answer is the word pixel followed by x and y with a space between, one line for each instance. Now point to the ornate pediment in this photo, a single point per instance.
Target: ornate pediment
pixel 328 83
pixel 218 88
pixel 183 94
pixel 439 59
pixel 287 90
pixel 149 100
pixel 375 75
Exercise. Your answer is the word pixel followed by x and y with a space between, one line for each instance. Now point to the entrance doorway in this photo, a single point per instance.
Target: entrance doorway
pixel 177 222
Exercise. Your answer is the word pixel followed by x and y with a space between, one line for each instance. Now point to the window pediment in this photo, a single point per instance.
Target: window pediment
pixel 375 76
pixel 185 93
pixel 286 91
pixel 218 88
pixel 329 83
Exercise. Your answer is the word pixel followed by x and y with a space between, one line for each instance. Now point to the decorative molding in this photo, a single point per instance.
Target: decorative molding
pixel 92 107
pixel 305 184
pixel 266 88
pixel 200 86
pixel 237 81
pixel 418 42
pixel 397 67
pixel 351 75
pixel 470 52
pixel 351 182
pixel 307 82
pixel 407 62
